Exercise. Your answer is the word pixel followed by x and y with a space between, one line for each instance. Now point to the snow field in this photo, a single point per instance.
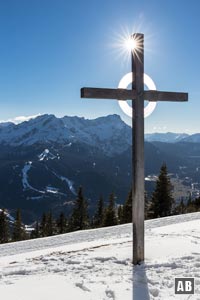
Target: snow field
pixel 96 264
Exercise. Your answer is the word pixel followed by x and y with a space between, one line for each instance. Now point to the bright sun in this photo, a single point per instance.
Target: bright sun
pixel 130 44
pixel 124 42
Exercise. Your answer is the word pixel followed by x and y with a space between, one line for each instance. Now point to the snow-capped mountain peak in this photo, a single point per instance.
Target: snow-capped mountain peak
pixel 105 132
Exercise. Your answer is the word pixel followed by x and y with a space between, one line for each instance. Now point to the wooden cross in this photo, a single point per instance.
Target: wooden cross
pixel 138 95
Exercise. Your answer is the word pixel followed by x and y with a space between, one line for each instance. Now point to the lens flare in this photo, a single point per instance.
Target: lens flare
pixel 123 84
pixel 130 44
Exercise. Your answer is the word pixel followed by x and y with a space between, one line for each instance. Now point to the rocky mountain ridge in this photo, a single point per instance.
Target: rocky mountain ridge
pixel 43 162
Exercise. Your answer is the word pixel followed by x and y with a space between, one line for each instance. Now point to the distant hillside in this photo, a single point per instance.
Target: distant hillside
pixel 168 137
pixel 43 161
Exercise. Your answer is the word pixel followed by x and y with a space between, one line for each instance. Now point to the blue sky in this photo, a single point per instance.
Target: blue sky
pixel 49 49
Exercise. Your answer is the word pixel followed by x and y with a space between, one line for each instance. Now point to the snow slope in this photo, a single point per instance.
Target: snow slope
pixel 96 264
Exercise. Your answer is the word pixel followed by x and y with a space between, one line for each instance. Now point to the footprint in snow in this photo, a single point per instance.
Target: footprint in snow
pixel 154 292
pixel 110 294
pixel 82 286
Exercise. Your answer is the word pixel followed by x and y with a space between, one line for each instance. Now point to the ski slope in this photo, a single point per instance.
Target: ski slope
pixel 96 264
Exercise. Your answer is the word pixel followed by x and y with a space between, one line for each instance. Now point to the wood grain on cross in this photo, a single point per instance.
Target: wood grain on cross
pixel 137 94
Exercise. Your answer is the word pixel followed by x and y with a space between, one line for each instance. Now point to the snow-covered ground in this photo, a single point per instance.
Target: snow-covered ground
pixel 96 264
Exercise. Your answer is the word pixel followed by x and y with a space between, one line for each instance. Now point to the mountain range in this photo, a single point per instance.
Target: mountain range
pixel 168 137
pixel 43 161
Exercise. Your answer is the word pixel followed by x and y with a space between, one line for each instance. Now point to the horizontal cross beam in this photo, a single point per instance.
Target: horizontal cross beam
pixel 124 94
pixel 165 96
pixel 98 93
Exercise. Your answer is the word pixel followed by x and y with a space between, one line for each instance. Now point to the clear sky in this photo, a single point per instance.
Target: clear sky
pixel 49 49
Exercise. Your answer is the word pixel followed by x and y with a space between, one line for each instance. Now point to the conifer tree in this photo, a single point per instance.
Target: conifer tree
pixel 189 201
pixel 190 205
pixel 180 209
pixel 61 223
pixel 36 232
pixel 197 204
pixel 43 226
pixel 50 226
pixel 147 206
pixel 162 201
pixel 127 209
pixel 4 227
pixel 110 218
pixel 120 214
pixel 98 217
pixel 79 219
pixel 18 228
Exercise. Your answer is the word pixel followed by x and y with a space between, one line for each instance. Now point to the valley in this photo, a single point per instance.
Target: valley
pixel 43 162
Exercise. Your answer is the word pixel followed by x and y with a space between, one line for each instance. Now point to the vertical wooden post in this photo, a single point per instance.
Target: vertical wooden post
pixel 138 150
pixel 137 92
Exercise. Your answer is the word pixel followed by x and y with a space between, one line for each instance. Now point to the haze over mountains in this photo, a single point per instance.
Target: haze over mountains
pixel 43 161
pixel 168 137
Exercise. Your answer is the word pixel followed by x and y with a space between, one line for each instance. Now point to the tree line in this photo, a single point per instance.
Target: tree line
pixel 160 204
pixel 105 215
pixel 18 231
